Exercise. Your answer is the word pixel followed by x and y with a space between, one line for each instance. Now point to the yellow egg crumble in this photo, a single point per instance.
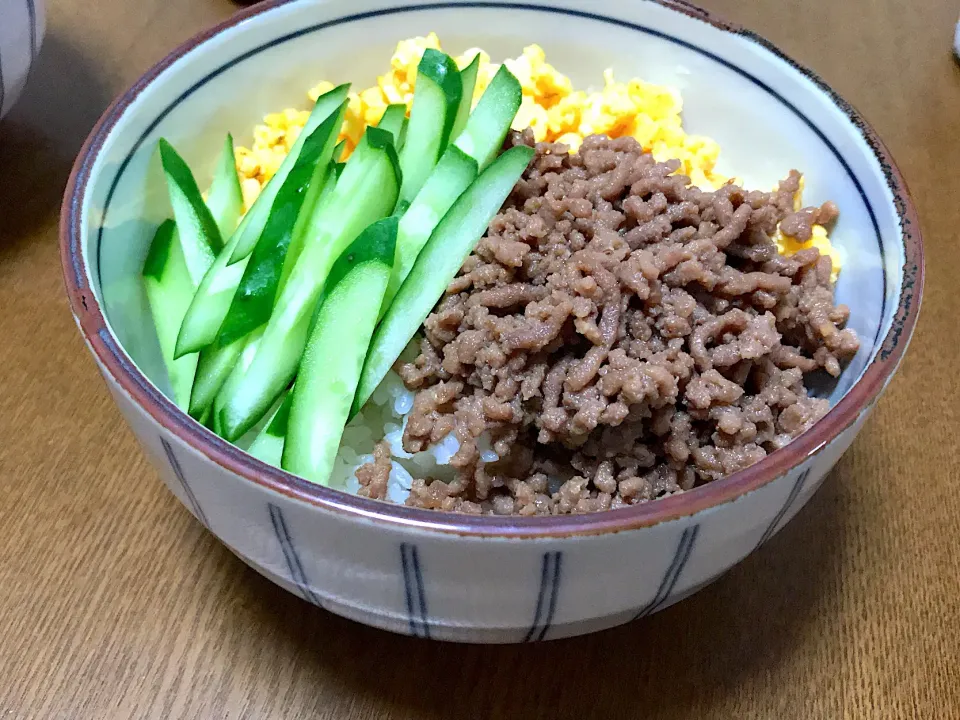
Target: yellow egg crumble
pixel 550 106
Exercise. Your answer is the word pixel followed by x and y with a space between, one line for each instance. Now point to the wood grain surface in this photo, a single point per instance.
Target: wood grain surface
pixel 115 603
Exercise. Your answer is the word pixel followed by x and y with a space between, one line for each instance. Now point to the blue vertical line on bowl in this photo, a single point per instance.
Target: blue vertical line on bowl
pixel 32 13
pixel 187 490
pixel 414 591
pixel 532 8
pixel 550 566
pixel 680 558
pixel 297 575
pixel 2 96
pixel 787 504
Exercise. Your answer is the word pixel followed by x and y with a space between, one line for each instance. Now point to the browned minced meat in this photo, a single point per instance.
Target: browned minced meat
pixel 373 476
pixel 621 336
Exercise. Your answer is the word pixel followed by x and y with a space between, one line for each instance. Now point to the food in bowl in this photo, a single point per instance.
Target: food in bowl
pixel 416 310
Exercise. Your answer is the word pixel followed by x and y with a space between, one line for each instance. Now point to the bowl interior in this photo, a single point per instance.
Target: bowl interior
pixel 767 116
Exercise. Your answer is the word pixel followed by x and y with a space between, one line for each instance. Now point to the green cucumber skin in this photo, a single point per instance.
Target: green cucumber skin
pixel 214 367
pixel 225 199
pixel 452 176
pixel 490 121
pixel 451 242
pixel 169 290
pixel 159 253
pixel 443 70
pixel 268 445
pixel 252 224
pixel 333 359
pixel 436 98
pixel 216 291
pixel 468 78
pixel 393 121
pixel 199 235
pixel 167 281
pixel 367 191
pixel 300 234
pixel 211 302
pixel 244 354
pixel 257 291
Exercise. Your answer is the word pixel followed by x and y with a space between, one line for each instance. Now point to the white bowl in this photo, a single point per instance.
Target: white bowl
pixel 21 32
pixel 447 576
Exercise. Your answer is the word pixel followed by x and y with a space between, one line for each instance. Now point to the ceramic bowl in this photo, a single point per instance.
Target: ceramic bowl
pixel 449 576
pixel 21 32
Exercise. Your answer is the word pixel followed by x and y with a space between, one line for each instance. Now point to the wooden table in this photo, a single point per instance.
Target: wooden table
pixel 115 603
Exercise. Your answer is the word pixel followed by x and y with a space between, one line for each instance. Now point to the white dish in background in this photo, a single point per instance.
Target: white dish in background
pixel 454 577
pixel 21 32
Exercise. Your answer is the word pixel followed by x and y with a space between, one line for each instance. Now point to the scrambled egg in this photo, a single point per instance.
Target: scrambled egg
pixel 819 239
pixel 550 106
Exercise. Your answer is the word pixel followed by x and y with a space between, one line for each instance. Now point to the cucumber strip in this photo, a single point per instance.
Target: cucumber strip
pixel 199 235
pixel 338 150
pixel 210 303
pixel 393 120
pixel 443 255
pixel 254 298
pixel 215 294
pixel 226 199
pixel 333 359
pixel 169 291
pixel 366 192
pixel 252 224
pixel 167 281
pixel 468 78
pixel 490 121
pixel 215 365
pixel 303 220
pixel 392 123
pixel 268 445
pixel 436 99
pixel 233 379
pixel 453 174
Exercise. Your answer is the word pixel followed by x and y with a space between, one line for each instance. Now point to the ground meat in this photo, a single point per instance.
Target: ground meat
pixel 620 336
pixel 373 476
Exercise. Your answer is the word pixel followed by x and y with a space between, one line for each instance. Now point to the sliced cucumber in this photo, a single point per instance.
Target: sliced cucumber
pixel 338 150
pixel 167 280
pixel 453 174
pixel 367 191
pixel 443 255
pixel 248 348
pixel 490 121
pixel 169 291
pixel 268 445
pixel 221 293
pixel 215 365
pixel 254 298
pixel 210 303
pixel 436 99
pixel 199 235
pixel 333 359
pixel 303 221
pixel 253 222
pixel 468 78
pixel 226 198
pixel 393 121
pixel 215 294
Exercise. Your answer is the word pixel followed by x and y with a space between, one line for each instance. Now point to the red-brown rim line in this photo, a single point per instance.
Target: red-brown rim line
pixel 90 318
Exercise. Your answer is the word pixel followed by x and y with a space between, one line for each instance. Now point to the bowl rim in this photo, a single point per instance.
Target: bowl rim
pixel 117 366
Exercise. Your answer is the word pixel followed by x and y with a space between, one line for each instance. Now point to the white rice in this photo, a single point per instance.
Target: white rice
pixel 384 417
